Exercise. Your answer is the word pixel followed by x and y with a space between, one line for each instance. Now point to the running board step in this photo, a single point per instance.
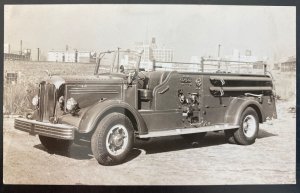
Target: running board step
pixel 188 130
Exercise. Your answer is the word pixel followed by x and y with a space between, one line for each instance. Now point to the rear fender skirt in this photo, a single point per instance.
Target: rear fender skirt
pixel 93 115
pixel 236 108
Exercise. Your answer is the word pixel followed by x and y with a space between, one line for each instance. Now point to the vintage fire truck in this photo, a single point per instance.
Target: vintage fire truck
pixel 122 102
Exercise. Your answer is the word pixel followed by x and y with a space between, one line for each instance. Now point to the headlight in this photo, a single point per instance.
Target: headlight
pixel 61 102
pixel 35 100
pixel 71 104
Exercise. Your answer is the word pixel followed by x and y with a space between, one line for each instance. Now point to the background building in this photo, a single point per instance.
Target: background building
pixel 285 64
pixel 71 56
pixel 289 65
pixel 22 54
pixel 147 55
pixel 56 56
pixel 163 54
pixel 153 52
pixel 84 57
pixel 237 56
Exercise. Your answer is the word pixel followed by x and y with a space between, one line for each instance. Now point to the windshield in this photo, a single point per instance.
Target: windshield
pixel 118 61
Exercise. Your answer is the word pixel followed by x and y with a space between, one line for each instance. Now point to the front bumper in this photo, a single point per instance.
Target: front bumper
pixel 59 131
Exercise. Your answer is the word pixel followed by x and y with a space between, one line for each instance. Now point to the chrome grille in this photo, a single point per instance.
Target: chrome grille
pixel 47 94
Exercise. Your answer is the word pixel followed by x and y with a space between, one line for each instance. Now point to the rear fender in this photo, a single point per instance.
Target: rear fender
pixel 237 107
pixel 93 116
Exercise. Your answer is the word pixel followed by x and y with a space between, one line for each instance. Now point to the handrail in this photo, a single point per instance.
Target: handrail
pixel 202 66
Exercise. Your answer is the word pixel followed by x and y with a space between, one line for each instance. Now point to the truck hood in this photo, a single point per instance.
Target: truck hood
pixel 111 78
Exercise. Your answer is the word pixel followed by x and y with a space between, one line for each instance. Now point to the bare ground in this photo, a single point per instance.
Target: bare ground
pixel 161 161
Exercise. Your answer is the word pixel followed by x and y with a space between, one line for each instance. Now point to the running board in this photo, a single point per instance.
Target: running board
pixel 188 130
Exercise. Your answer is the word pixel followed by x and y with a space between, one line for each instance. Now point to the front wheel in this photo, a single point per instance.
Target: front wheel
pixel 249 125
pixel 112 139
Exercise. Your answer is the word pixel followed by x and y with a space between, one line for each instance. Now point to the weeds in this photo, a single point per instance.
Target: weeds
pixel 17 96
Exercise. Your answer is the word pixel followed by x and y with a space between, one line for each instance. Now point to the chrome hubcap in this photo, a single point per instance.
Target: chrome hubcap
pixel 117 140
pixel 249 126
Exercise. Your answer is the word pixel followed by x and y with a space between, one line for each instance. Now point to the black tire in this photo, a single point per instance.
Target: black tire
pixel 247 134
pixel 194 137
pixel 110 137
pixel 55 145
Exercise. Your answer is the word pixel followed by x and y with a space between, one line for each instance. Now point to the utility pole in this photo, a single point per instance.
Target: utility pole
pixel 21 47
pixel 219 48
pixel 76 56
pixel 38 54
pixel 118 59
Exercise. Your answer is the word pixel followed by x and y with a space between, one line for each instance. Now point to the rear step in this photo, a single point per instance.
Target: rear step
pixel 188 130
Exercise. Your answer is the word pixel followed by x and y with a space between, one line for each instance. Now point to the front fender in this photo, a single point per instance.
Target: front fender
pixel 238 105
pixel 93 115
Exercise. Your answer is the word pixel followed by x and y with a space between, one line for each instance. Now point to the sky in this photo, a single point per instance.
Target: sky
pixel 190 30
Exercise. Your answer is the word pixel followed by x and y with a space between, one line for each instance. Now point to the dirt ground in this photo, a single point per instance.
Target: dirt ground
pixel 161 161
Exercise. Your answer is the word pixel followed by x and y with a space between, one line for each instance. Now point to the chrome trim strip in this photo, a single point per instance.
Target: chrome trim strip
pixel 143 111
pixel 240 78
pixel 49 129
pixel 54 133
pixel 41 99
pixel 188 130
pixel 22 126
pixel 55 136
pixel 93 92
pixel 242 88
pixel 17 120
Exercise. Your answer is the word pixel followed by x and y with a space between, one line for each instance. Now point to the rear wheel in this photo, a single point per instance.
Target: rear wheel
pixel 55 145
pixel 249 126
pixel 113 139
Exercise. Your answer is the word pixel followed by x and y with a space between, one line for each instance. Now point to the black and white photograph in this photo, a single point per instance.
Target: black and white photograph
pixel 146 94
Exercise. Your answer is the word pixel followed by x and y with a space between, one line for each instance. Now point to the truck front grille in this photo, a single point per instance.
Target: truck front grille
pixel 47 94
